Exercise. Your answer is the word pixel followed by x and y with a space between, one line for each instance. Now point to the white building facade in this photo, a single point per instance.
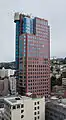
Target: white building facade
pixel 6 72
pixel 24 108
pixel 12 84
pixel 4 86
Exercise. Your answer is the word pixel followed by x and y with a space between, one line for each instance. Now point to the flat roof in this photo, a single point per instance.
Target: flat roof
pixel 19 99
pixel 57 101
pixel 16 100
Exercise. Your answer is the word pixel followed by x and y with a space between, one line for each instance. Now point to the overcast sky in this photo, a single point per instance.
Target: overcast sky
pixel 53 10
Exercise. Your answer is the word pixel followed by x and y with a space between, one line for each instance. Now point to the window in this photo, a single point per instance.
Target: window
pixel 22 111
pixel 38 107
pixel 10 118
pixel 18 106
pixel 35 118
pixel 38 112
pixel 38 117
pixel 22 106
pixel 35 108
pixel 34 113
pixel 14 107
pixel 37 102
pixel 22 116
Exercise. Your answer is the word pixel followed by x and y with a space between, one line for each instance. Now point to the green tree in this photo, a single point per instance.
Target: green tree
pixel 53 81
pixel 59 81
pixel 51 68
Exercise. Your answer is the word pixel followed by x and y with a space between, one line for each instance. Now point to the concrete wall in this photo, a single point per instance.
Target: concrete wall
pixel 6 72
pixel 3 87
pixel 29 109
pixel 12 84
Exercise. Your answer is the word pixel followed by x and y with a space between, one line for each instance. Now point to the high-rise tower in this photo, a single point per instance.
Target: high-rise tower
pixel 32 55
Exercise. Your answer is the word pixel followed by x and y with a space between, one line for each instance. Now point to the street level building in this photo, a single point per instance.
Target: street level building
pixel 6 72
pixel 24 108
pixel 12 85
pixel 56 109
pixel 4 86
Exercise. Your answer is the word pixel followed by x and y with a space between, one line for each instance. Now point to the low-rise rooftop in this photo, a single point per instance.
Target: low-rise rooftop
pixel 57 101
pixel 18 99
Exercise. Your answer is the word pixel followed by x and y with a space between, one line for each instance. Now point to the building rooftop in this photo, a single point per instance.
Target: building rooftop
pixel 54 98
pixel 17 100
pixel 56 101
pixel 17 16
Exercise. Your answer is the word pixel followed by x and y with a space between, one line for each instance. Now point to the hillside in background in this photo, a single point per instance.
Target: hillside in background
pixel 58 61
pixel 8 65
pixel 12 65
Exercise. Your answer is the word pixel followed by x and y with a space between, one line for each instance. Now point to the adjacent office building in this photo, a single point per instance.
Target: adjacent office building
pixel 6 72
pixel 4 86
pixel 32 55
pixel 56 109
pixel 12 85
pixel 24 108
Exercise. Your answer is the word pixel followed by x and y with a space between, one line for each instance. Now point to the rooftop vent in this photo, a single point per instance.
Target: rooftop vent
pixel 17 98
